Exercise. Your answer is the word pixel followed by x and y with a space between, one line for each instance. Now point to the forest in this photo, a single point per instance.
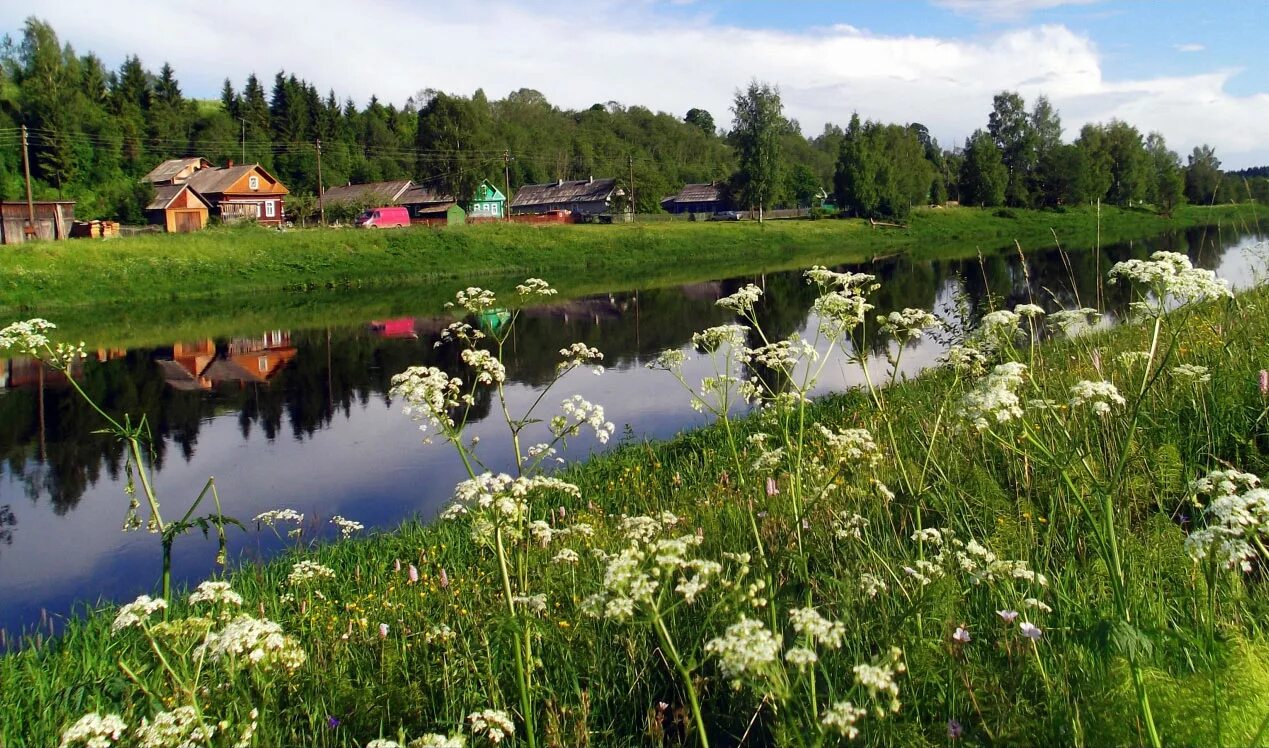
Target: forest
pixel 94 131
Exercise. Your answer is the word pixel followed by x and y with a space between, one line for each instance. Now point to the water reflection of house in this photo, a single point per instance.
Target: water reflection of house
pixel 401 327
pixel 199 366
pixel 22 372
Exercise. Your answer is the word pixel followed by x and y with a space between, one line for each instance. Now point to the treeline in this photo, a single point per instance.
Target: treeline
pixel 94 132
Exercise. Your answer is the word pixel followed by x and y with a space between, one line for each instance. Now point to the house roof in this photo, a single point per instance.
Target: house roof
pixel 172 168
pixel 218 180
pixel 164 194
pixel 578 191
pixel 436 209
pixel 387 193
pixel 697 193
pixel 423 195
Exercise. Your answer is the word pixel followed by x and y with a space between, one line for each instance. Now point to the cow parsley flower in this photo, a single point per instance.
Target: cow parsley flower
pixel 1192 373
pixel 1237 516
pixel 137 612
pixel 881 677
pixel 1072 322
pixel 566 556
pixel 842 717
pixel 494 724
pixel 909 324
pixel 1170 274
pixel 1029 310
pixel 849 526
pixel 746 649
pixel 577 411
pixel 801 658
pixel 669 360
pixel 851 446
pixel 995 399
pixel 29 337
pixel 473 299
pixel 383 743
pixel 1100 396
pixel 742 301
pixel 179 727
pixel 94 730
pixel 278 516
pixel 712 338
pixel 435 740
pixel 215 593
pixel 819 630
pixel 346 526
pixel 840 311
pixel 578 354
pixel 253 641
pixel 308 571
pixel 429 395
pixel 535 287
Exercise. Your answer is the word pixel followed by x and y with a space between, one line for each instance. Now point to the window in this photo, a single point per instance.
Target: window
pixel 270 209
pixel 253 182
pixel 262 363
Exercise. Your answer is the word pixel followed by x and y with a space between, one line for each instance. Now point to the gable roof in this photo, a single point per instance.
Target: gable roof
pixel 577 191
pixel 423 195
pixel 172 168
pixel 387 193
pixel 164 194
pixel 697 193
pixel 217 180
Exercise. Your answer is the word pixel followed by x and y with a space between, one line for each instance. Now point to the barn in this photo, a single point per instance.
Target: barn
pixel 178 208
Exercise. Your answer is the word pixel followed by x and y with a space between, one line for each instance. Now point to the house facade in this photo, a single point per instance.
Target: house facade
pixel 488 202
pixel 239 193
pixel 585 196
pixel 230 193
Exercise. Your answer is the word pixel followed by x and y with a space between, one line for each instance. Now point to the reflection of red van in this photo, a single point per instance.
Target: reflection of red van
pixel 384 218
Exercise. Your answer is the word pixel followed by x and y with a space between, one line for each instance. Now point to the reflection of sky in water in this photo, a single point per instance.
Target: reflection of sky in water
pixel 368 465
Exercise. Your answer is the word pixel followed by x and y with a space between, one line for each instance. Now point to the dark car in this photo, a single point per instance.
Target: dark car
pixel 726 215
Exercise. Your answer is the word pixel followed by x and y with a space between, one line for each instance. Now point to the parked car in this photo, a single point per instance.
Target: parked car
pixel 726 215
pixel 384 218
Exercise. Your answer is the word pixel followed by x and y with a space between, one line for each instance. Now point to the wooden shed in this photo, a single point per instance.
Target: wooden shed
pixel 52 220
pixel 178 208
pixel 441 214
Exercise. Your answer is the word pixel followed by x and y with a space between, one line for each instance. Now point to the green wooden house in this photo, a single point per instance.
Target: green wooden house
pixel 488 202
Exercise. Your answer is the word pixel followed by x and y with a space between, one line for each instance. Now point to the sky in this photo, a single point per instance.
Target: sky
pixel 1194 71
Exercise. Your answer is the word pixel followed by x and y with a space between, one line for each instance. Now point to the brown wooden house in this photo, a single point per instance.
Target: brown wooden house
pixel 178 208
pixel 52 220
pixel 244 192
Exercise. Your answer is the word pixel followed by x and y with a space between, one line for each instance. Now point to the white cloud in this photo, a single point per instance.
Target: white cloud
pixel 1191 47
pixel 1005 10
pixel 635 54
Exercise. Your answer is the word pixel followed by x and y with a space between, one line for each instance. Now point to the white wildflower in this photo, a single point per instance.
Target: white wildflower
pixel 180 727
pixel 137 612
pixel 346 526
pixel 908 324
pixel 871 584
pixel 253 641
pixel 494 724
pixel 488 369
pixel 429 395
pixel 308 571
pixel 849 526
pixel 435 740
pixel 473 299
pixel 1072 322
pixel 1170 274
pixel 995 400
pixel 28 337
pixel 1029 310
pixel 851 446
pixel 745 649
pixel 215 593
pixel 669 360
pixel 535 287
pixel 823 632
pixel 881 678
pixel 1192 373
pixel 842 717
pixel 566 556
pixel 94 730
pixel 713 338
pixel 742 301
pixel 1100 396
pixel 278 516
pixel 578 354
pixel 532 603
pixel 801 658
pixel 577 411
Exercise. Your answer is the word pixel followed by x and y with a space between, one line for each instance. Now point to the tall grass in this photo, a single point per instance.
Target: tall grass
pixel 1026 546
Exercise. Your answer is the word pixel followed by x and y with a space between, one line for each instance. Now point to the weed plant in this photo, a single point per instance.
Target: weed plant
pixel 1048 542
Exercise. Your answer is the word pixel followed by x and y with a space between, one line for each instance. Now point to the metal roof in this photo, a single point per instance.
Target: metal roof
pixel 577 191
pixel 170 169
pixel 387 193
pixel 422 195
pixel 164 194
pixel 698 193
pixel 215 181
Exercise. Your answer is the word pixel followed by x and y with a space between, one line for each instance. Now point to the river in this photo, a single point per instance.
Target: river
pixel 301 418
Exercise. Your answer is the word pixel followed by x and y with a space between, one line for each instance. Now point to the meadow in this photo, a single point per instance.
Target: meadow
pixel 1056 538
pixel 230 267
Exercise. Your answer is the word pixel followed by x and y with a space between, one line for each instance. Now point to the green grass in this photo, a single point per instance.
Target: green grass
pixel 236 266
pixel 1029 490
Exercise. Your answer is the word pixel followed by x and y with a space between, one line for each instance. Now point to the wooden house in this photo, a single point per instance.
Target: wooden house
pixel 53 220
pixel 710 197
pixel 584 196
pixel 488 202
pixel 420 200
pixel 439 214
pixel 246 192
pixel 178 208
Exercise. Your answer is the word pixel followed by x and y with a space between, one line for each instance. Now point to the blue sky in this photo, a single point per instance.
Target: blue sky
pixel 1193 71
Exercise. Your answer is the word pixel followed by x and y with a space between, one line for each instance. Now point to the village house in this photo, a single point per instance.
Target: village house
pixel 585 196
pixel 231 193
pixel 698 198
pixel 53 220
pixel 425 204
pixel 369 195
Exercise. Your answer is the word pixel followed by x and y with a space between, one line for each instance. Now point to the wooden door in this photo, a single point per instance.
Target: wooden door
pixel 187 221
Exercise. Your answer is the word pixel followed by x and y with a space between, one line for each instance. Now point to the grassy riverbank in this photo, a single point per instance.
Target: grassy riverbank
pixel 232 264
pixel 922 537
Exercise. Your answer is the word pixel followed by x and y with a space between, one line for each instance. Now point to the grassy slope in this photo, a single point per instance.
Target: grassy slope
pixel 1074 689
pixel 235 265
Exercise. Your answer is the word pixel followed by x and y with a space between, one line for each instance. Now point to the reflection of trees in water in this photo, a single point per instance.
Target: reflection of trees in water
pixel 336 370
pixel 8 521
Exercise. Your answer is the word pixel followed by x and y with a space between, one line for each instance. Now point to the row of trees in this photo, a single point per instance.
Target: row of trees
pixel 94 132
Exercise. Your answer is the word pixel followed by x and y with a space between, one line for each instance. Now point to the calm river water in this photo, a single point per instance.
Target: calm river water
pixel 301 417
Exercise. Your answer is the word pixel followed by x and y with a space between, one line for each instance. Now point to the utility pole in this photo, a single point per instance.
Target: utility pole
pixel 506 183
pixel 321 193
pixel 243 120
pixel 30 204
pixel 630 163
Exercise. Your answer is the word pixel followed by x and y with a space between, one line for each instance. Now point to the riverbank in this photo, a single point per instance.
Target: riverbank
pixel 408 630
pixel 228 263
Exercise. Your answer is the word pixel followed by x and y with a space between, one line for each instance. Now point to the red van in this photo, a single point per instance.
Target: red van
pixel 384 218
